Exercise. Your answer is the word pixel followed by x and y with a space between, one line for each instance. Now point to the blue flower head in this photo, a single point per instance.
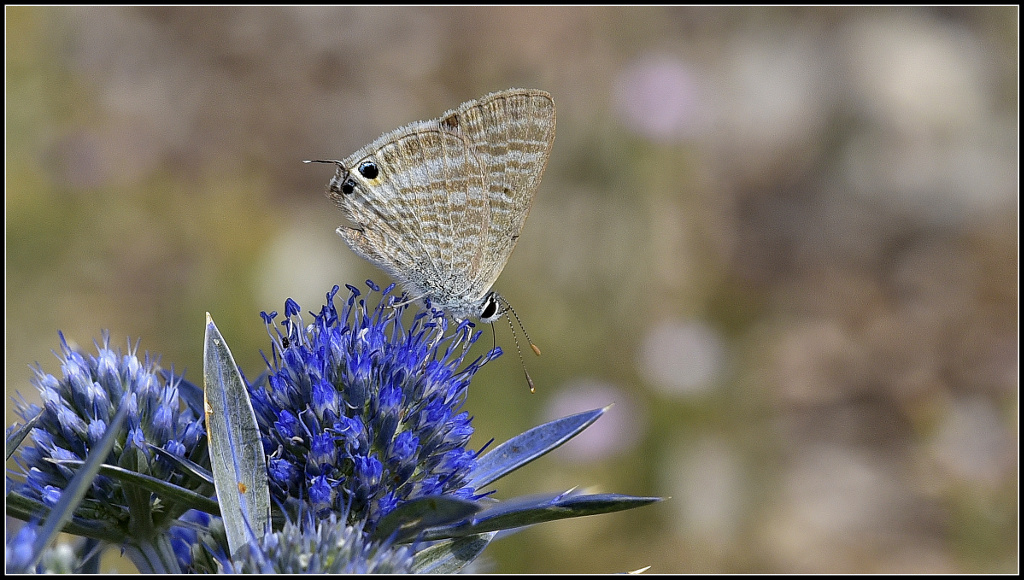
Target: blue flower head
pixel 323 546
pixel 359 413
pixel 159 430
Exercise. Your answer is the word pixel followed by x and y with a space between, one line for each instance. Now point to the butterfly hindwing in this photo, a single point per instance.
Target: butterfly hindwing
pixel 512 133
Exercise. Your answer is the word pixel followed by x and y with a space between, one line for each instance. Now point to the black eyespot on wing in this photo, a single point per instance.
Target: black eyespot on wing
pixel 368 169
pixel 348 187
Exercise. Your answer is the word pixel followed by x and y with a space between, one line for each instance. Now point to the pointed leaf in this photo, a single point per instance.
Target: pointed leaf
pixel 538 509
pixel 236 450
pixel 18 433
pixel 166 490
pixel 410 518
pixel 524 448
pixel 451 556
pixel 186 465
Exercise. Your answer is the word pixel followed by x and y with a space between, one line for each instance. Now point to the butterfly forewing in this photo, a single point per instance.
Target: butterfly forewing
pixel 418 218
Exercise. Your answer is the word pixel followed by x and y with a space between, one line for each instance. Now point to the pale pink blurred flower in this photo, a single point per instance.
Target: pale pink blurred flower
pixel 659 97
pixel 682 358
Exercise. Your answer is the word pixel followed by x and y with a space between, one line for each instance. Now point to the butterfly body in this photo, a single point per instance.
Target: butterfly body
pixel 439 205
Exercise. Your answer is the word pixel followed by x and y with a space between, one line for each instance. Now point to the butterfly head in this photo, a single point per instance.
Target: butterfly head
pixel 491 309
pixel 345 181
pixel 494 307
pixel 487 309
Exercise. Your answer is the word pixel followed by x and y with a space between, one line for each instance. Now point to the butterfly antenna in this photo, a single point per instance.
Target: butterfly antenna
pixel 519 351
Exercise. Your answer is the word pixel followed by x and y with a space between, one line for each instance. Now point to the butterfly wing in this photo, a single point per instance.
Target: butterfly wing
pixel 419 212
pixel 511 133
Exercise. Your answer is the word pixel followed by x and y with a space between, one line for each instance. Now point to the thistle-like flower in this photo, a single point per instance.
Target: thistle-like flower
pixel 359 413
pixel 159 432
pixel 364 452
pixel 323 546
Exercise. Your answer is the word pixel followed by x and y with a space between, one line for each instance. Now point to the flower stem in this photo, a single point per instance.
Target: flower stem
pixel 153 557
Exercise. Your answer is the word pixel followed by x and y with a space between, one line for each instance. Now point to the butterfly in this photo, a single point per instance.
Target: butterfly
pixel 440 204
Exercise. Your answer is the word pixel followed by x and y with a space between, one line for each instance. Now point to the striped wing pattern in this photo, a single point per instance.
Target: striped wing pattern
pixel 444 209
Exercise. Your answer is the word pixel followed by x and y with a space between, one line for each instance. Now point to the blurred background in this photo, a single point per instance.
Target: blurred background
pixel 783 242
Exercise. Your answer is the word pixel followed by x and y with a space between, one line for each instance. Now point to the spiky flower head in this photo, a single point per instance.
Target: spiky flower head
pixel 160 430
pixel 324 546
pixel 359 413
